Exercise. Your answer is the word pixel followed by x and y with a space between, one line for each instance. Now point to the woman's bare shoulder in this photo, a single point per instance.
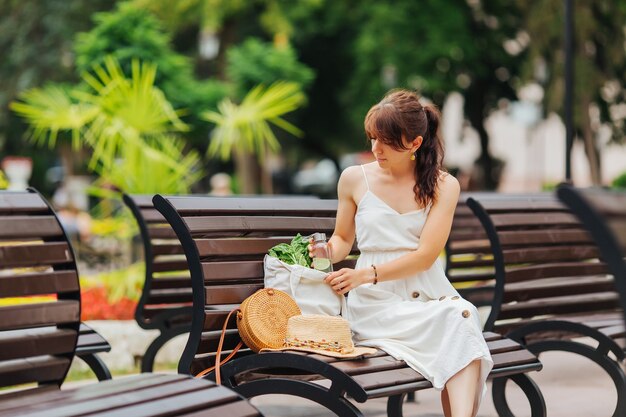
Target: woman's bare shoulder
pixel 351 175
pixel 449 187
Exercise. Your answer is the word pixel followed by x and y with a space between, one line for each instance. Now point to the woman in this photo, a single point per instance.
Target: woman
pixel 400 210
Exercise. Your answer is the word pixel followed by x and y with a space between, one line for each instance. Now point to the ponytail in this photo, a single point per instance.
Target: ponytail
pixel 429 159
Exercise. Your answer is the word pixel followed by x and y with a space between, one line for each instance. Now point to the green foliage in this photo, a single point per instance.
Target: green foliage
pixel 246 127
pixel 4 183
pixel 120 283
pixel 619 181
pixel 127 123
pixel 255 62
pixel 294 253
pixel 130 33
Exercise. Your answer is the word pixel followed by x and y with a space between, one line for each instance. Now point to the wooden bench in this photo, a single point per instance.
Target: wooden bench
pixel 225 241
pixel 551 285
pixel 38 336
pixel 603 213
pixel 16 228
pixel 165 302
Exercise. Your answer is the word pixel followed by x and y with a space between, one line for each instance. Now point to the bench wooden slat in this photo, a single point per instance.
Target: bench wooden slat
pixel 230 294
pixel 239 408
pixel 87 392
pixel 167 265
pixel 19 202
pixel 560 305
pixel 151 215
pixel 161 232
pixel 19 285
pixel 169 282
pixel 173 248
pixel 187 206
pixel 242 247
pixel 522 204
pixel 147 401
pixel 550 254
pixel 35 369
pixel 240 270
pixel 28 227
pixel 35 255
pixel 502 221
pixel 170 296
pixel 36 342
pixel 38 314
pixel 554 287
pixel 243 225
pixel 543 237
pixel 550 270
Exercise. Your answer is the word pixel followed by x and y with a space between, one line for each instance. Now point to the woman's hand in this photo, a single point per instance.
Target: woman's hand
pixel 346 279
pixel 312 252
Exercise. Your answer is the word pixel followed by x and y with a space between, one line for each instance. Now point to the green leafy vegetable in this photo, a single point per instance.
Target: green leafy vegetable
pixel 294 253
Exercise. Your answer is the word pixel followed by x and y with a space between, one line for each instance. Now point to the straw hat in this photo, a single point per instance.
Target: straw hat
pixel 326 335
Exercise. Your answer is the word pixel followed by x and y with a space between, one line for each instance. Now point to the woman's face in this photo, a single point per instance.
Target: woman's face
pixel 386 155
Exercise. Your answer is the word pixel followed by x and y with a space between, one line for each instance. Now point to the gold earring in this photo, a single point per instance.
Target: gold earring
pixel 412 157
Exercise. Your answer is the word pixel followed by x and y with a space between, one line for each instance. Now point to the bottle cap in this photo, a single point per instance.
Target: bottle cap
pixel 318 237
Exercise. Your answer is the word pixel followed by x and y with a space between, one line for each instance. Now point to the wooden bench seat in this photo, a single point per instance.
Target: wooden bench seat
pixel 225 241
pixel 41 332
pixel 552 284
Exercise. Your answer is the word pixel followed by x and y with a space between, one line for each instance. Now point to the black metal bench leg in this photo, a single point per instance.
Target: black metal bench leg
pixel 531 390
pixel 394 405
pixel 316 393
pixel 611 367
pixel 97 366
pixel 147 362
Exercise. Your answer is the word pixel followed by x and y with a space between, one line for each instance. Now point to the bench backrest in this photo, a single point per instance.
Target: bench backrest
pixel 37 335
pixel 469 259
pixel 546 263
pixel 225 241
pixel 167 287
pixel 603 212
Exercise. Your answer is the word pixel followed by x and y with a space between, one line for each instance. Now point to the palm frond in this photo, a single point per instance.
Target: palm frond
pixel 248 125
pixel 50 110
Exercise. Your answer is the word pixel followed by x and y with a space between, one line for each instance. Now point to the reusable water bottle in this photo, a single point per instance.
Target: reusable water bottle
pixel 321 253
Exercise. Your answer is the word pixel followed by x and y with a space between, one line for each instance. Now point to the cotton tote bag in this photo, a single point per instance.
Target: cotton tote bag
pixel 305 285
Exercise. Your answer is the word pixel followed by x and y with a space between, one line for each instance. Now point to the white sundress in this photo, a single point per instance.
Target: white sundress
pixel 420 319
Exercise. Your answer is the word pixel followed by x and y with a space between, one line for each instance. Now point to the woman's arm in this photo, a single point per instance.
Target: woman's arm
pixel 432 241
pixel 343 237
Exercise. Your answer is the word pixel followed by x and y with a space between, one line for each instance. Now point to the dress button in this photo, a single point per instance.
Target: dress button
pixel 415 294
pixel 443 297
pixel 456 297
pixel 465 313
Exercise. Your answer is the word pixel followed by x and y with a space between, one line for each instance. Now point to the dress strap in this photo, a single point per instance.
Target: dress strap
pixel 365 176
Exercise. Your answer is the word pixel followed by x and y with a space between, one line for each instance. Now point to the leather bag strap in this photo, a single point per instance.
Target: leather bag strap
pixel 218 356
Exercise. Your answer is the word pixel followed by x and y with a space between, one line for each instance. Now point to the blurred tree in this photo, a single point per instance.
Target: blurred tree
pixel 127 123
pixel 36 46
pixel 255 62
pixel 129 33
pixel 599 66
pixel 360 50
pixel 244 130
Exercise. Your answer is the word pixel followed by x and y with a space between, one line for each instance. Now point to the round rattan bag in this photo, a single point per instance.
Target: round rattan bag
pixel 262 319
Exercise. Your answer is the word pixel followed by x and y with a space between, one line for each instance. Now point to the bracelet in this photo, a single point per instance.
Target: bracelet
pixel 375 274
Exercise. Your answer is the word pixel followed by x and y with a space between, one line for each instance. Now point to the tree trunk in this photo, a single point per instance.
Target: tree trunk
pixel 475 112
pixel 246 167
pixel 591 150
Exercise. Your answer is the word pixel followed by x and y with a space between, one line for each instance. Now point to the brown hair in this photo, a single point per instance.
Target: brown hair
pixel 401 115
